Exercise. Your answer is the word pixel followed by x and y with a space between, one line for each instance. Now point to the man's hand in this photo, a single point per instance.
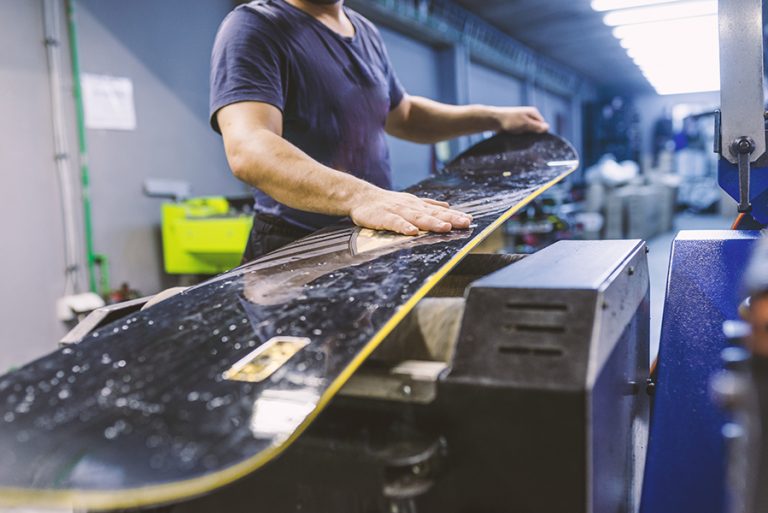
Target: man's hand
pixel 404 213
pixel 518 120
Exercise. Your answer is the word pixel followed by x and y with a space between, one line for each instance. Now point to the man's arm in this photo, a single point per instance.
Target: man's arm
pixel 422 120
pixel 259 156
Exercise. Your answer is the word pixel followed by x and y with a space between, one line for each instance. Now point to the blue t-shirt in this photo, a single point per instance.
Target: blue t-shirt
pixel 334 92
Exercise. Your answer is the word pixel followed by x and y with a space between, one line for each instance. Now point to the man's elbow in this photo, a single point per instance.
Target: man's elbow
pixel 410 128
pixel 408 131
pixel 412 135
pixel 237 164
pixel 241 165
pixel 396 130
pixel 247 154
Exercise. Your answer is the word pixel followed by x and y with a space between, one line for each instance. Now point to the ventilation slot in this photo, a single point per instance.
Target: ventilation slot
pixel 532 351
pixel 547 307
pixel 534 328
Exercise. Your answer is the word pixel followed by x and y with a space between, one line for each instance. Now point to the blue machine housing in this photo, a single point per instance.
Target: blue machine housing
pixel 685 469
pixel 728 178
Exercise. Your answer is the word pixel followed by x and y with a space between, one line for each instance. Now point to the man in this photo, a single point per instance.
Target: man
pixel 303 93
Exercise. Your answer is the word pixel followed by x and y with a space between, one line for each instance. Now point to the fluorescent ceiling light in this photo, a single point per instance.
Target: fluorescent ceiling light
pixel 683 31
pixel 672 11
pixel 673 43
pixel 676 56
pixel 612 5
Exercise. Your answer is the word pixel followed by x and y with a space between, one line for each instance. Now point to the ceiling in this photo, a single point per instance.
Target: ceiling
pixel 569 32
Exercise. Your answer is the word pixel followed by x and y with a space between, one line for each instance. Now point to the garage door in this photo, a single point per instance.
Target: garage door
pixel 557 110
pixel 492 87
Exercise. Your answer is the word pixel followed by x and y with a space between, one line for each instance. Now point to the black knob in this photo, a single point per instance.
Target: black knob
pixel 743 146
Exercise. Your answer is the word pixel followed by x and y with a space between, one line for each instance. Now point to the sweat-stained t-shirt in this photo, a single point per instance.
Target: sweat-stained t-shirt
pixel 334 92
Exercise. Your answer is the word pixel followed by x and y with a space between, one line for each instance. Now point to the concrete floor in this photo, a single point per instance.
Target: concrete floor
pixel 658 263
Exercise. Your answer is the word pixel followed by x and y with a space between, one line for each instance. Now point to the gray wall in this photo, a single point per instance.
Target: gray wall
pixel 31 251
pixel 167 56
pixel 164 47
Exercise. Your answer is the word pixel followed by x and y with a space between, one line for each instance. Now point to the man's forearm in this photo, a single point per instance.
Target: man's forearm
pixel 284 172
pixel 427 121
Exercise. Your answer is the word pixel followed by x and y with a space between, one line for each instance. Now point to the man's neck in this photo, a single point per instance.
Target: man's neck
pixel 331 15
pixel 332 11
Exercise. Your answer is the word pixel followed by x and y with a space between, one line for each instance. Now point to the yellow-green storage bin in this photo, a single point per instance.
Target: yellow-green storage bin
pixel 203 236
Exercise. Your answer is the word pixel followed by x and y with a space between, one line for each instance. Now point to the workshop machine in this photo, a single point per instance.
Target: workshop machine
pixel 524 391
pixel 702 427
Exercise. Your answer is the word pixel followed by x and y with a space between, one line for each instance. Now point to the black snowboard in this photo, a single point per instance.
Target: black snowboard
pixel 208 386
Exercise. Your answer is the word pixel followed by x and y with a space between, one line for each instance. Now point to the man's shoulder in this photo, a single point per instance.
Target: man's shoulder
pixel 257 19
pixel 261 12
pixel 265 8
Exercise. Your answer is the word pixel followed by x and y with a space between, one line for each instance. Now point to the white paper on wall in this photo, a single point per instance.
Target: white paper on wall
pixel 108 102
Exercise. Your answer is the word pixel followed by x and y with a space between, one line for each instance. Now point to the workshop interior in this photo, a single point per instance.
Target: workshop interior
pixel 601 348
